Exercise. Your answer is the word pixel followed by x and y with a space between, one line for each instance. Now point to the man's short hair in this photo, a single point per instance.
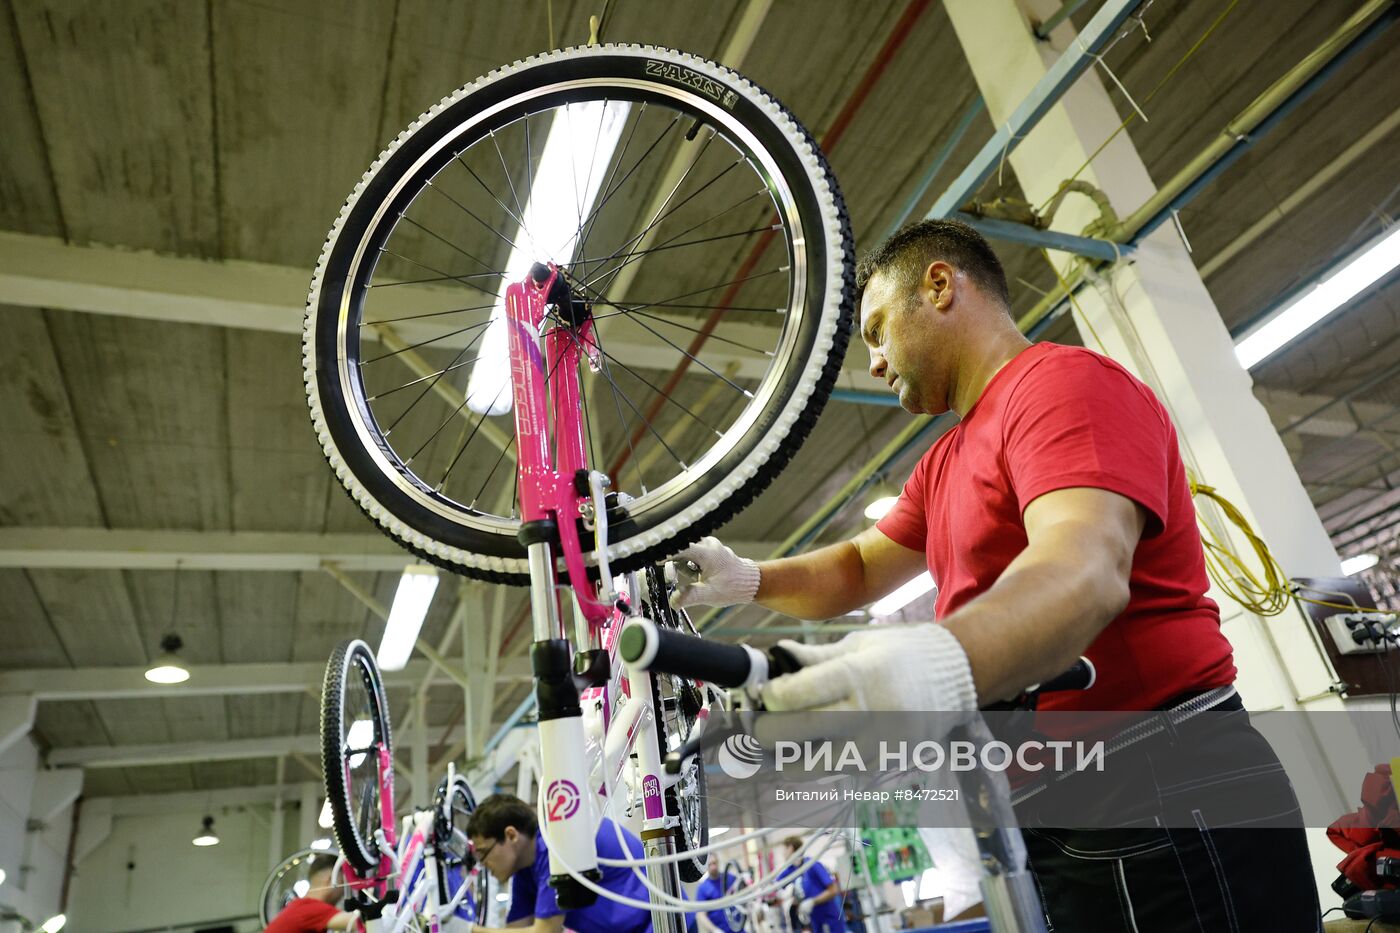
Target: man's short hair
pixel 908 252
pixel 319 863
pixel 793 842
pixel 492 816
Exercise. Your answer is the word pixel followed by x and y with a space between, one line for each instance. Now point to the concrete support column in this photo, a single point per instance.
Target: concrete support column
pixel 422 793
pixel 1155 316
pixel 307 828
pixel 276 831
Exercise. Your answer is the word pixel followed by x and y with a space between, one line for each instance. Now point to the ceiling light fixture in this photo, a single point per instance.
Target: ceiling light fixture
pixel 411 600
pixel 360 736
pixel 1354 565
pixel 565 184
pixel 903 596
pixel 880 507
pixel 54 923
pixel 167 668
pixel 1332 290
pixel 325 820
pixel 207 837
pixel 320 845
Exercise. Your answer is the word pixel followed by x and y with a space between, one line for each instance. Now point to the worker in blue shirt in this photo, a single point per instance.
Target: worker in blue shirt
pixel 506 838
pixel 712 887
pixel 820 904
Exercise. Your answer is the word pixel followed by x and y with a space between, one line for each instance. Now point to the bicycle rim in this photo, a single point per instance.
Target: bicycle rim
pixel 704 349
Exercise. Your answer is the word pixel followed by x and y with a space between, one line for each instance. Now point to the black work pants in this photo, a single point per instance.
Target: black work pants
pixel 1203 868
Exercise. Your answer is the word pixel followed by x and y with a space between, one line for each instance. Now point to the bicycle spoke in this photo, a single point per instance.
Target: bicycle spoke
pixel 640 378
pixel 419 317
pixel 623 309
pixel 599 299
pixel 422 395
pixel 617 391
pixel 492 194
pixel 612 173
pixel 693 358
pixel 438 236
pixel 461 330
pixel 436 278
pixel 519 211
pixel 637 255
pixel 588 179
pixel 693 330
pixel 479 422
pixel 633 256
pixel 473 215
pixel 660 218
pixel 423 265
pixel 454 366
pixel 606 373
pixel 623 180
pixel 486 482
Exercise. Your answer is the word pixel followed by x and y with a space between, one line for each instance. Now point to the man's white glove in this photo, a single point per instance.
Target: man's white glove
pixel 804 910
pixel 897 668
pixel 725 578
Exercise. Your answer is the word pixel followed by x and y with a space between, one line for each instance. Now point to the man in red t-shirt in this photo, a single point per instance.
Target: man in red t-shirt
pixel 315 911
pixel 1056 521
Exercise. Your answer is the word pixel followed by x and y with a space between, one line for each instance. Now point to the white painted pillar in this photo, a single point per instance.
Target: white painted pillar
pixel 422 793
pixel 276 832
pixel 1155 316
pixel 16 718
pixel 307 828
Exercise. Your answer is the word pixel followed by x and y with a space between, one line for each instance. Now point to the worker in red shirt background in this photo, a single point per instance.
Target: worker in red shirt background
pixel 1057 521
pixel 316 910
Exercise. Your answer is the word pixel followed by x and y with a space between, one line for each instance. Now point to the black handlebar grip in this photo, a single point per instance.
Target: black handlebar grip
pixel 1080 676
pixel 651 648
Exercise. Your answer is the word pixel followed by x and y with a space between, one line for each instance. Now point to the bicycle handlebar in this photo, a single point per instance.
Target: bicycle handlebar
pixel 648 647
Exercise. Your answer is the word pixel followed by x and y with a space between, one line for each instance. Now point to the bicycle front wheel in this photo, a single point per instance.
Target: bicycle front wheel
pixel 693 215
pixel 354 727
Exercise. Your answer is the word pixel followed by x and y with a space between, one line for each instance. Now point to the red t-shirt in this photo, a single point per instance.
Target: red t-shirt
pixel 303 915
pixel 1053 418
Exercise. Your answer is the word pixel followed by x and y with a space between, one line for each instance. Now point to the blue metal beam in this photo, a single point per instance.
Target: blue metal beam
pixel 1071 64
pixel 1093 247
pixel 857 397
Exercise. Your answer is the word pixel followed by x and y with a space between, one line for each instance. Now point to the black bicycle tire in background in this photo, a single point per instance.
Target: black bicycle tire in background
pixel 785 407
pixel 737 917
pixel 693 831
pixel 353 834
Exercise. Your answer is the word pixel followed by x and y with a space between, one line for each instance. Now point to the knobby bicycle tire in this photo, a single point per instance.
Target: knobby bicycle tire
pixel 470 541
pixel 351 658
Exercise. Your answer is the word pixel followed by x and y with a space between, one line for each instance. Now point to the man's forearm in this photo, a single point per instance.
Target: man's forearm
pixel 821 584
pixel 1044 610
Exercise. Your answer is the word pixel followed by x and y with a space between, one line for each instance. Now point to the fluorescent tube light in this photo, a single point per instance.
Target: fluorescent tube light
pixel 565 184
pixel 903 596
pixel 1362 269
pixel 54 923
pixel 406 615
pixel 360 736
pixel 880 508
pixel 1354 565
pixel 320 845
pixel 325 820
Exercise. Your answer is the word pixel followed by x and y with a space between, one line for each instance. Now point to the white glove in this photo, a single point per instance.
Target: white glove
pixel 804 910
pixel 901 668
pixel 725 578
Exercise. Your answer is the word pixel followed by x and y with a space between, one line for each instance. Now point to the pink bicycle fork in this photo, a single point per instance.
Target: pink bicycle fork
pixel 554 495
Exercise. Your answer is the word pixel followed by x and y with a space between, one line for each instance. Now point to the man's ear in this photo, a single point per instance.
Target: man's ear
pixel 510 834
pixel 938 284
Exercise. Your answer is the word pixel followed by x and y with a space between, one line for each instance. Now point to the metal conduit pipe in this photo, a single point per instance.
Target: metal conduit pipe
pixel 1242 132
